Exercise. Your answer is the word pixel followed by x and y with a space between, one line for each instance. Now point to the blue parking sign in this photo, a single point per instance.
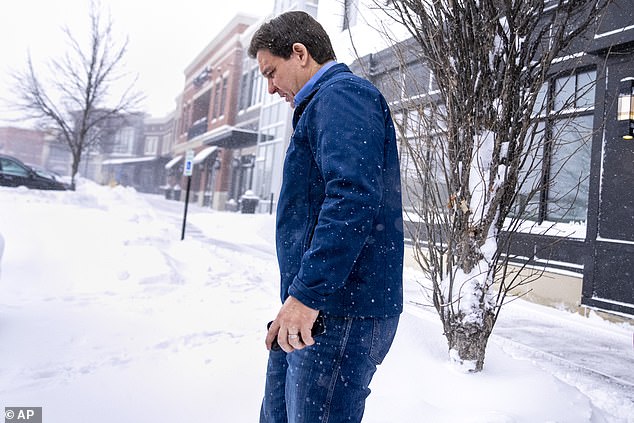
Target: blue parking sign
pixel 189 163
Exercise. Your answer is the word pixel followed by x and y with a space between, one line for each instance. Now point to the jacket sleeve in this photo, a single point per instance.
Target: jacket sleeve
pixel 346 123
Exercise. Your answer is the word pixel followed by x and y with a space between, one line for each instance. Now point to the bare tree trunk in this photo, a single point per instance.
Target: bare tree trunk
pixel 468 341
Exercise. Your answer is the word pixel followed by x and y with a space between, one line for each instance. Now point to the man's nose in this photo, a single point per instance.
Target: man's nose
pixel 272 87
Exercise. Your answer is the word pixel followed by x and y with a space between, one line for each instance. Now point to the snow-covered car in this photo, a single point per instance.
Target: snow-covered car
pixel 14 173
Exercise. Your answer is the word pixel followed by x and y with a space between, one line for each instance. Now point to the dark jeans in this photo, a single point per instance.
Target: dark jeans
pixel 327 382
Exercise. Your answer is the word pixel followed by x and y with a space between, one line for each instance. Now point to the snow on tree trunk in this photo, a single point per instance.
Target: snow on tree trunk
pixel 473 312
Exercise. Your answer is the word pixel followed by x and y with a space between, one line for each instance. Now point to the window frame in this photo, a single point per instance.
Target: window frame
pixel 569 112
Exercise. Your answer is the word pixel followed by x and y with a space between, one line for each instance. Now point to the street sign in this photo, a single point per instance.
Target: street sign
pixel 187 171
pixel 189 163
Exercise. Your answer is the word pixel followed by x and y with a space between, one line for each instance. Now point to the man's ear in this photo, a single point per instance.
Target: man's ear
pixel 302 52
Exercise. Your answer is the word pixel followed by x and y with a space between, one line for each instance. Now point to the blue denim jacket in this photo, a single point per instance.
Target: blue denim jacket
pixel 339 216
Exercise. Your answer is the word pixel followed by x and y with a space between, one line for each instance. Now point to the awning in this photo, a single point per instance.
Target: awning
pixel 128 160
pixel 230 137
pixel 204 153
pixel 172 162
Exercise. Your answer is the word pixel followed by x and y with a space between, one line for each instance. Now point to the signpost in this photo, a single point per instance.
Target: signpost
pixel 187 171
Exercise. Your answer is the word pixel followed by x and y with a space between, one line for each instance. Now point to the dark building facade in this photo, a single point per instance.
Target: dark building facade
pixel 589 206
pixel 608 249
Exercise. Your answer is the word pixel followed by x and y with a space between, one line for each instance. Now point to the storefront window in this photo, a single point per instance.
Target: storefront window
pixel 556 173
pixel 570 170
pixel 266 163
pixel 553 183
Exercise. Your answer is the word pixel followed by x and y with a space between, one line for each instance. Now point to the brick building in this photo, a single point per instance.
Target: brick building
pixel 206 118
pixel 28 145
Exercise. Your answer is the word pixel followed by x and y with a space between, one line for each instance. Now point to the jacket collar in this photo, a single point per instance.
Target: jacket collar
pixel 308 86
pixel 333 70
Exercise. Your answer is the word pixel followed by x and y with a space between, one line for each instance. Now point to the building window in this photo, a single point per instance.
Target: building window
pixel 223 97
pixel 124 140
pixel 217 93
pixel 184 120
pixel 417 80
pixel 166 143
pixel 265 166
pixel 555 177
pixel 569 169
pixel 286 5
pixel 256 87
pixel 251 87
pixel 574 92
pixel 151 145
pixel 556 174
pixel 390 85
pixel 245 81
pixel 273 114
pixel 421 150
pixel 201 106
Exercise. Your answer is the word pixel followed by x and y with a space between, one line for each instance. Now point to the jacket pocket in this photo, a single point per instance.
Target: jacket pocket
pixel 309 234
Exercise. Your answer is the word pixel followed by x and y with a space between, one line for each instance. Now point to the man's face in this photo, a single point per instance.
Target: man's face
pixel 284 76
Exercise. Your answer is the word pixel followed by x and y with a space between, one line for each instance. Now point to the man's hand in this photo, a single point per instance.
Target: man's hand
pixel 292 326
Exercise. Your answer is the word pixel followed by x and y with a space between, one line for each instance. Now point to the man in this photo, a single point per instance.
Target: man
pixel 339 229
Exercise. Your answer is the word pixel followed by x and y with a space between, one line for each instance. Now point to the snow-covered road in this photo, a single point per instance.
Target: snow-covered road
pixel 105 313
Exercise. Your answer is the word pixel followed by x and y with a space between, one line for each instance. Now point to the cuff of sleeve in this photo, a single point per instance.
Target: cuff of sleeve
pixel 305 295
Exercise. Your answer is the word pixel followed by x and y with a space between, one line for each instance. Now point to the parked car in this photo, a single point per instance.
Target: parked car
pixel 46 173
pixel 14 173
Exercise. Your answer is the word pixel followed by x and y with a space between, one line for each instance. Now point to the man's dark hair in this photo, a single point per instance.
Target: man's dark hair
pixel 279 34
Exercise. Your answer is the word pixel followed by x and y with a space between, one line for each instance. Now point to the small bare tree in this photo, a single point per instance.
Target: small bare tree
pixel 77 96
pixel 475 146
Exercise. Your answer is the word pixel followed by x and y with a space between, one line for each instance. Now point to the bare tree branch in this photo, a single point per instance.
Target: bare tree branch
pixel 475 149
pixel 78 95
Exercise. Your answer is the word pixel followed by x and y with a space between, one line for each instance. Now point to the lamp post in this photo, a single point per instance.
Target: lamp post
pixel 625 112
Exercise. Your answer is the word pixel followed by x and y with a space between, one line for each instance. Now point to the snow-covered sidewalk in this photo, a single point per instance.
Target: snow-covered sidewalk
pixel 105 314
